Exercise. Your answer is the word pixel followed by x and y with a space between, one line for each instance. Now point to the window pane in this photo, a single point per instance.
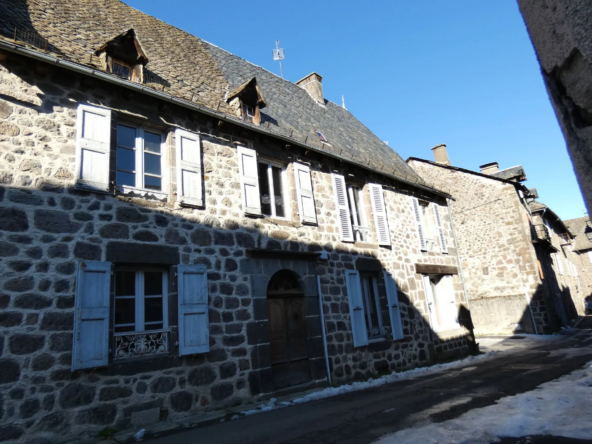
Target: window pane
pixel 126 179
pixel 151 164
pixel 125 283
pixel 126 159
pixel 151 142
pixel 153 310
pixel 276 174
pixel 154 326
pixel 125 311
pixel 152 183
pixel 121 70
pixel 126 136
pixel 152 283
pixel 264 189
pixel 124 328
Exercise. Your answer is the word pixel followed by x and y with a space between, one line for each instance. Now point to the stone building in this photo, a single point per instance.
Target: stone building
pixel 561 32
pixel 581 247
pixel 181 230
pixel 507 245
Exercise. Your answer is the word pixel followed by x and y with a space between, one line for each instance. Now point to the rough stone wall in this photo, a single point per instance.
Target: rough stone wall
pixel 560 33
pixel 498 259
pixel 46 226
pixel 583 260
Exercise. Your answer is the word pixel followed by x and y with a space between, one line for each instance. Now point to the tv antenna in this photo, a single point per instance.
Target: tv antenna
pixel 278 54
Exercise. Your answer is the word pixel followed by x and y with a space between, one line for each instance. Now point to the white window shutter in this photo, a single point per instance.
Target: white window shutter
pixel 188 156
pixel 451 309
pixel 249 180
pixel 91 315
pixel 93 145
pixel 304 194
pixel 419 225
pixel 194 329
pixel 356 308
pixel 383 235
pixel 340 191
pixel 393 304
pixel 431 302
pixel 441 232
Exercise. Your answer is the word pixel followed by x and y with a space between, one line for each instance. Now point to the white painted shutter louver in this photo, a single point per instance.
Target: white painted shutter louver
pixel 249 180
pixel 304 194
pixel 93 144
pixel 393 304
pixel 194 329
pixel 441 232
pixel 91 315
pixel 188 156
pixel 421 232
pixel 379 211
pixel 340 191
pixel 356 308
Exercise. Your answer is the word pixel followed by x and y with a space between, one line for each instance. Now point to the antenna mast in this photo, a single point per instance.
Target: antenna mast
pixel 278 54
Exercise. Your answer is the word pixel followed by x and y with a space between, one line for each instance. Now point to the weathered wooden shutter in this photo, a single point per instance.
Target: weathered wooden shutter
pixel 194 329
pixel 383 235
pixel 93 143
pixel 189 189
pixel 418 215
pixel 393 304
pixel 451 309
pixel 356 308
pixel 304 194
pixel 249 180
pixel 91 315
pixel 340 189
pixel 441 231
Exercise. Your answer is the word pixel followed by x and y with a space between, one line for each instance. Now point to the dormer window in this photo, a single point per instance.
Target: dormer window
pixel 247 100
pixel 124 57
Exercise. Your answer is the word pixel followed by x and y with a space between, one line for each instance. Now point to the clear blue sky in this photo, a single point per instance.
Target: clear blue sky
pixel 420 73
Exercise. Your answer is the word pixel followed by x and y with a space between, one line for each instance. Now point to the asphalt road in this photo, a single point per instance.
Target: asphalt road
pixel 364 416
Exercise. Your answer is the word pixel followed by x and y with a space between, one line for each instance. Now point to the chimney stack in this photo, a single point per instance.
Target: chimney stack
pixel 489 168
pixel 440 154
pixel 313 83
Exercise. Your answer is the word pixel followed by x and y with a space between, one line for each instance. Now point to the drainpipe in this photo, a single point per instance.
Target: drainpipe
pixel 323 329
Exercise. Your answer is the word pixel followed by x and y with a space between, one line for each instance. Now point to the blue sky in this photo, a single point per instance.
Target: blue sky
pixel 459 72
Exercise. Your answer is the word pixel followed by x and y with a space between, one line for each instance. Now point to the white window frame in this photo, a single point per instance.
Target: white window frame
pixel 139 157
pixel 366 280
pixel 360 222
pixel 284 179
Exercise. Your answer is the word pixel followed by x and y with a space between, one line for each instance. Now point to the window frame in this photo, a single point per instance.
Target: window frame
pixel 367 279
pixel 284 185
pixel 357 213
pixel 139 152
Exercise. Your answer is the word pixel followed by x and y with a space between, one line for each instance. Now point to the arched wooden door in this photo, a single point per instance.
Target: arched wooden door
pixel 287 331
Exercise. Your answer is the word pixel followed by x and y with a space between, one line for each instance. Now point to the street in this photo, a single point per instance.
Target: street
pixel 524 363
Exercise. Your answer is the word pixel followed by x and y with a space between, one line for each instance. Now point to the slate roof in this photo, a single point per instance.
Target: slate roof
pixel 197 71
pixel 516 172
pixel 577 227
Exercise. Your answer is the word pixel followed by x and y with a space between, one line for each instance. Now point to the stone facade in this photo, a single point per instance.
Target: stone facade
pixel 581 250
pixel 500 263
pixel 48 228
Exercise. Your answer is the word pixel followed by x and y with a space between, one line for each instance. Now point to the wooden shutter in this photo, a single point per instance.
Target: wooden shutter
pixel 93 143
pixel 430 301
pixel 189 189
pixel 450 308
pixel 419 225
pixel 91 315
pixel 356 308
pixel 393 304
pixel 249 180
pixel 441 232
pixel 194 329
pixel 380 218
pixel 340 190
pixel 304 194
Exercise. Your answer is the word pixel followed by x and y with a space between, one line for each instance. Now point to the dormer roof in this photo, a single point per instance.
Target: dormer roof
pixel 125 47
pixel 249 92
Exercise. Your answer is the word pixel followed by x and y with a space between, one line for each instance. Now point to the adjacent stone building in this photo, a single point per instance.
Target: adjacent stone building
pixel 581 247
pixel 507 244
pixel 561 32
pixel 181 230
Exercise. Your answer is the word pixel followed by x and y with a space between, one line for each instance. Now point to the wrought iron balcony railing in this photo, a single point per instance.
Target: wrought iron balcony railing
pixel 135 344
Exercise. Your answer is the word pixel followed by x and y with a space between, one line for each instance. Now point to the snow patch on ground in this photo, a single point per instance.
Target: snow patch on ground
pixel 561 408
pixel 328 392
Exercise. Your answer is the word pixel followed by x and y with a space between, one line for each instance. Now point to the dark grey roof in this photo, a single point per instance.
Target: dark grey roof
pixel 516 172
pixel 578 227
pixel 536 207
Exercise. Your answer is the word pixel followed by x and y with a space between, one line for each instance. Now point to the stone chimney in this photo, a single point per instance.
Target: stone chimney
pixel 440 154
pixel 489 168
pixel 313 83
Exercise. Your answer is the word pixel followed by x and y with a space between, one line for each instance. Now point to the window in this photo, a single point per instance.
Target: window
pixel 321 137
pixel 357 214
pixel 372 305
pixel 139 158
pixel 441 300
pixel 140 308
pixel 121 70
pixel 429 225
pixel 271 188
